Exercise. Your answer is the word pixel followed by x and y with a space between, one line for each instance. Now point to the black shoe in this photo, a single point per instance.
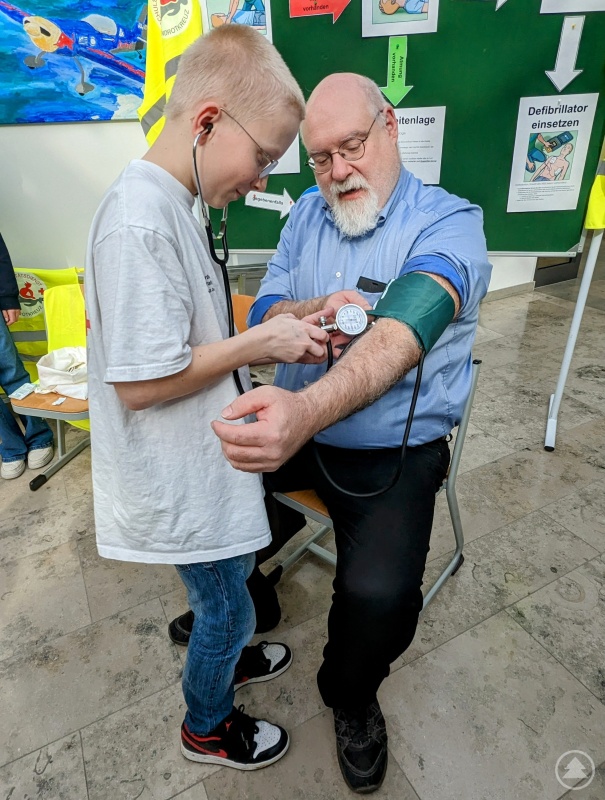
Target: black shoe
pixel 180 628
pixel 238 741
pixel 361 746
pixel 266 606
pixel 262 662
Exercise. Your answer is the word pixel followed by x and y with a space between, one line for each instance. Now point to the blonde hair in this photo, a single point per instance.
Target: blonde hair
pixel 238 67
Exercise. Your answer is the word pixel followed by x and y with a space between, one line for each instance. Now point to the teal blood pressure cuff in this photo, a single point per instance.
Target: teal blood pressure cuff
pixel 421 303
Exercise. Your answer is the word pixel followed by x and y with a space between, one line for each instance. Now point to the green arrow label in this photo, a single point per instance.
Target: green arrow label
pixel 396 90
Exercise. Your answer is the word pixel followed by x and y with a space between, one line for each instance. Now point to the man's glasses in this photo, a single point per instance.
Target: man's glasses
pixel 350 150
pixel 271 163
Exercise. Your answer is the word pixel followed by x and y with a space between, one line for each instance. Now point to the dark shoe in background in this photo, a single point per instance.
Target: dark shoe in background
pixel 266 605
pixel 361 746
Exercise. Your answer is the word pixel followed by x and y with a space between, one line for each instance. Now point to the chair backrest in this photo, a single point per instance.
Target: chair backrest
pixel 29 332
pixel 65 317
pixel 241 306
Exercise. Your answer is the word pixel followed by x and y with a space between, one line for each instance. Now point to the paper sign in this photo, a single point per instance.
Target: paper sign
pixel 571 6
pixel 421 141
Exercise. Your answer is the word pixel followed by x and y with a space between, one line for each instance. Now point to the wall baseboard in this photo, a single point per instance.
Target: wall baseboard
pixel 509 291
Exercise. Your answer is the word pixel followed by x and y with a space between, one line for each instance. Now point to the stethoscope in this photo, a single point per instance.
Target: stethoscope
pixel 222 238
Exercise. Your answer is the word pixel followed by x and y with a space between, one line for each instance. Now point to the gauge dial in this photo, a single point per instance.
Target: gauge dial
pixel 351 319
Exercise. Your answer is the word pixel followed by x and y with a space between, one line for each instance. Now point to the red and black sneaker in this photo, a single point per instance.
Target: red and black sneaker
pixel 239 741
pixel 261 662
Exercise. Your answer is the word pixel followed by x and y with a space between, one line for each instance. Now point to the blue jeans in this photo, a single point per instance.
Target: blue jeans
pixel 15 445
pixel 224 624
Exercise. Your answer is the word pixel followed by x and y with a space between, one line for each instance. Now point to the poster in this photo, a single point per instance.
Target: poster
pixel 256 13
pixel 398 17
pixel 550 152
pixel 289 163
pixel 421 141
pixel 571 6
pixel 66 62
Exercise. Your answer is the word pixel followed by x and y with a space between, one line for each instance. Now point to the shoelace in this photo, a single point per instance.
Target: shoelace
pixel 253 657
pixel 359 729
pixel 247 727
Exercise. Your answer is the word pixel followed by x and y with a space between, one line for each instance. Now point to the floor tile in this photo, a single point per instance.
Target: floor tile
pixel 43 597
pixel 485 717
pixel 568 619
pixel 499 568
pixel 197 792
pixel 135 752
pixel 55 772
pixel 83 676
pixel 43 528
pixel 583 513
pixel 480 448
pixel 114 586
pixel 293 697
pixel 309 771
pixel 595 790
pixel 17 498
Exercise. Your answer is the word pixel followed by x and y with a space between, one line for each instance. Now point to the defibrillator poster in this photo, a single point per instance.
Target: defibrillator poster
pixel 420 141
pixel 550 152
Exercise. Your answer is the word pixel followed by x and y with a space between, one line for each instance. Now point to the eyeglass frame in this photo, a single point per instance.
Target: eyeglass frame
pixel 272 161
pixel 361 139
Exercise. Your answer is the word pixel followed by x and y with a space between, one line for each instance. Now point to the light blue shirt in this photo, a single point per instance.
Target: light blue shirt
pixel 314 259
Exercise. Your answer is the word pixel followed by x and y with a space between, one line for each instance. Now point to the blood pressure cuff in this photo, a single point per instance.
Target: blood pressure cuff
pixel 420 303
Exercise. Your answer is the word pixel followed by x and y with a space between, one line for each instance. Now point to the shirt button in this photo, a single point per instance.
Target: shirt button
pixel 338 274
pixel 305 383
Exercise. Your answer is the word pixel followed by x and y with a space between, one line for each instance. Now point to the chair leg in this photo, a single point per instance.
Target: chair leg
pixel 310 544
pixel 64 458
pixel 458 558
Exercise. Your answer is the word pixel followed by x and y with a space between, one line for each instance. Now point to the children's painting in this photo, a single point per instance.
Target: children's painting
pixel 255 13
pixel 68 61
pixel 398 17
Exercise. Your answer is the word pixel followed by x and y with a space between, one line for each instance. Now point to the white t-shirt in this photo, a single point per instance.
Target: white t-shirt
pixel 163 491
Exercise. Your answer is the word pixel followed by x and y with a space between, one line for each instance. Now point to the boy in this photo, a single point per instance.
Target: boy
pixel 160 370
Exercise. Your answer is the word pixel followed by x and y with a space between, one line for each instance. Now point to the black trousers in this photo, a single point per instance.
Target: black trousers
pixel 382 545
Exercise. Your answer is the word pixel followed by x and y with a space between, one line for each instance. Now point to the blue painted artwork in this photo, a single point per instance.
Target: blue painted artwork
pixel 71 61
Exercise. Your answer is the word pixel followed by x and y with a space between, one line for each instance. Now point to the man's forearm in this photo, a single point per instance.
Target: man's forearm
pixel 300 309
pixel 375 363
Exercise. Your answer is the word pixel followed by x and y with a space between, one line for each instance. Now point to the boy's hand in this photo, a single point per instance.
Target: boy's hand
pixel 290 340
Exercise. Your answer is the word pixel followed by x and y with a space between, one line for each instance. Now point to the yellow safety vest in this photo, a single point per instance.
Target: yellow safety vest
pixel 171 27
pixel 595 216
pixel 29 332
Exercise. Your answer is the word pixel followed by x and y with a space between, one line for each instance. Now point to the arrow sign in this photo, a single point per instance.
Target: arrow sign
pixel 499 4
pixel 565 71
pixel 272 202
pixel 396 90
pixel 314 8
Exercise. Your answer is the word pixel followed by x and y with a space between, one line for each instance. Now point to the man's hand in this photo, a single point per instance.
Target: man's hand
pixel 11 315
pixel 345 296
pixel 283 425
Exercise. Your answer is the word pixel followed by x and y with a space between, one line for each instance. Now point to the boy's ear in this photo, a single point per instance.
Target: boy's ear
pixel 205 117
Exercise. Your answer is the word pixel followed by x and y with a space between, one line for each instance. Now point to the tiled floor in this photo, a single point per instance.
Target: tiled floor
pixel 506 673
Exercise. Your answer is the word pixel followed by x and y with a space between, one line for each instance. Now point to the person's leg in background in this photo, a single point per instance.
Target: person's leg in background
pixel 38 436
pixel 213 730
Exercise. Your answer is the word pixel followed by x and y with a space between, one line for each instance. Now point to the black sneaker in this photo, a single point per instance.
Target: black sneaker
pixel 238 741
pixel 179 630
pixel 262 662
pixel 361 745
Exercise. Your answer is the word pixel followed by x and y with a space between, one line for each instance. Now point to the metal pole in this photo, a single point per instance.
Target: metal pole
pixel 555 399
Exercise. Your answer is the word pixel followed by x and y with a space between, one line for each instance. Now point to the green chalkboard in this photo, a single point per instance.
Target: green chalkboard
pixel 478 64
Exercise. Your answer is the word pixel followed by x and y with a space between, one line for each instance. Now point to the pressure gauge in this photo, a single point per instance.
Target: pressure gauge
pixel 351 319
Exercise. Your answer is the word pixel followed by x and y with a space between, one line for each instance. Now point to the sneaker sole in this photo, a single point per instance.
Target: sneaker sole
pixel 225 762
pixel 264 678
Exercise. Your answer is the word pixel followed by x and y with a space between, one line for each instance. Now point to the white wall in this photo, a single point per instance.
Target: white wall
pixel 53 177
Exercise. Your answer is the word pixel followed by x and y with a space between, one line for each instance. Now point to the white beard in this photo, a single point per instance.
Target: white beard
pixel 353 217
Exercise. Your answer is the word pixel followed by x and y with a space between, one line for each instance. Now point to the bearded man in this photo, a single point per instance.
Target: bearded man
pixel 368 224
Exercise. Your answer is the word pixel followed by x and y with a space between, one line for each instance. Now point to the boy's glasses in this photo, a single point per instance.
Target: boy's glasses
pixel 271 163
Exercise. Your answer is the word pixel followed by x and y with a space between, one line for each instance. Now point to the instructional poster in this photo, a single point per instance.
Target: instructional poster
pixel 255 13
pixel 421 141
pixel 571 6
pixel 550 152
pixel 398 17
